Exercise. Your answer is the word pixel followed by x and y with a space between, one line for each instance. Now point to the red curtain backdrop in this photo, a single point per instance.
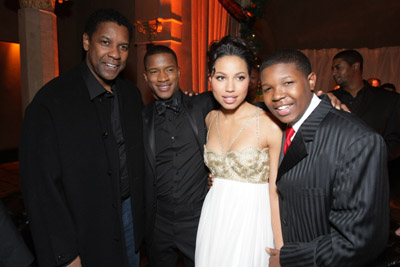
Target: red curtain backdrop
pixel 210 22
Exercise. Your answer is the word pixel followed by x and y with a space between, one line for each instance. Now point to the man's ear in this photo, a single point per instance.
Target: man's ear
pixel 312 79
pixel 179 72
pixel 356 66
pixel 86 41
pixel 145 76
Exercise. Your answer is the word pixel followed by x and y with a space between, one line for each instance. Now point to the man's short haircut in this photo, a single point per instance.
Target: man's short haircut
pixel 159 49
pixel 351 57
pixel 106 15
pixel 288 56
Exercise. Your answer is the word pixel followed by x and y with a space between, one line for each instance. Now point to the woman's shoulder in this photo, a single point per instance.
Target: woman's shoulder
pixel 210 116
pixel 269 121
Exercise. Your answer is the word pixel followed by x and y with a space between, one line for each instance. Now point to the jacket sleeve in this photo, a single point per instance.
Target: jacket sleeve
pixel 359 211
pixel 42 185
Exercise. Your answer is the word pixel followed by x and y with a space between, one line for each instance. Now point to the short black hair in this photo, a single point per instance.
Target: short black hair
pixel 159 49
pixel 351 56
pixel 106 15
pixel 230 46
pixel 287 56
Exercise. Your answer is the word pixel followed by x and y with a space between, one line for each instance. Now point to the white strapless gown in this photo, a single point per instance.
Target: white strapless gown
pixel 235 222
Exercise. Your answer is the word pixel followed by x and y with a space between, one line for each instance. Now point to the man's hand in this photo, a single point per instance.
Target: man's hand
pixel 75 263
pixel 190 93
pixel 273 257
pixel 210 180
pixel 336 103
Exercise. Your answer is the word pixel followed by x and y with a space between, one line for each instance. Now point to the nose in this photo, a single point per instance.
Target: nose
pixel 115 53
pixel 278 94
pixel 162 76
pixel 230 86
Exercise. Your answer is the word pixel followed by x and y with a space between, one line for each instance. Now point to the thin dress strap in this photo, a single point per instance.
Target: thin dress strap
pixel 209 127
pixel 236 136
pixel 258 127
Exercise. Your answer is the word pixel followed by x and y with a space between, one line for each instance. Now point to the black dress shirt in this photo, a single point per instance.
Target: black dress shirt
pixel 181 179
pixel 108 109
pixel 353 103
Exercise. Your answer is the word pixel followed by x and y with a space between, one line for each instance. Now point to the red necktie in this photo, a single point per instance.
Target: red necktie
pixel 289 133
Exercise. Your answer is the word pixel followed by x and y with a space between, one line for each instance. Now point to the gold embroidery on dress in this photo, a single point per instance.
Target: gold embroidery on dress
pixel 250 165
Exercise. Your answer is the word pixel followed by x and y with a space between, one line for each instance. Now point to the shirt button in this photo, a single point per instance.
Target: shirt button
pixel 172 138
pixel 284 222
pixel 105 134
pixel 60 257
pixel 109 172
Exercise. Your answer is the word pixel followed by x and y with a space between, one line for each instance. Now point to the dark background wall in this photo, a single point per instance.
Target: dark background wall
pixel 313 24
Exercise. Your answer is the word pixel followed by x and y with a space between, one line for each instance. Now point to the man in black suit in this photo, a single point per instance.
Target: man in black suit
pixel 332 179
pixel 82 158
pixel 176 177
pixel 379 109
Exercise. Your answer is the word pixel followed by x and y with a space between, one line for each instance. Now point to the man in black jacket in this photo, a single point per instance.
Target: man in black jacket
pixel 379 109
pixel 176 177
pixel 81 156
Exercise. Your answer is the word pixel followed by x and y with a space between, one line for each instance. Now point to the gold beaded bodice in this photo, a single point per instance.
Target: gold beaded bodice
pixel 250 165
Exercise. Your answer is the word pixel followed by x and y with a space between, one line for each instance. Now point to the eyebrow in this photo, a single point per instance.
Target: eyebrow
pixel 220 72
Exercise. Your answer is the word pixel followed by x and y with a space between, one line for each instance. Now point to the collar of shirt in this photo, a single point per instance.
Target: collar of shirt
pixel 176 97
pixel 93 85
pixel 313 104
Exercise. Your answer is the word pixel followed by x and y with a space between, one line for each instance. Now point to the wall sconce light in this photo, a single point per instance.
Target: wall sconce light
pixel 151 27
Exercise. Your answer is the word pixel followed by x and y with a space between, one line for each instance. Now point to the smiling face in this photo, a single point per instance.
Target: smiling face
pixel 162 74
pixel 107 51
pixel 287 91
pixel 230 81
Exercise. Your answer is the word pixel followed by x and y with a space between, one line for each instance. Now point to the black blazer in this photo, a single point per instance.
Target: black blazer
pixel 69 167
pixel 197 108
pixel 333 192
pixel 380 110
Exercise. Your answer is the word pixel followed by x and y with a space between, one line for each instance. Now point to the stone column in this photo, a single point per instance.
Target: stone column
pixel 37 26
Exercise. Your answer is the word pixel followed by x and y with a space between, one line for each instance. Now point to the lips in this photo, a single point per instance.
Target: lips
pixel 111 66
pixel 229 99
pixel 284 110
pixel 163 88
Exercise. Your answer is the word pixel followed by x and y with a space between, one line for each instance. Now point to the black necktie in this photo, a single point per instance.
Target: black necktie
pixel 172 104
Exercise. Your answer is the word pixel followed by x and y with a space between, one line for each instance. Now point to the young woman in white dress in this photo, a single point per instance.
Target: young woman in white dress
pixel 240 215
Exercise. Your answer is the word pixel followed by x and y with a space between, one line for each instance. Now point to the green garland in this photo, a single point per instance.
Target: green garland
pixel 246 29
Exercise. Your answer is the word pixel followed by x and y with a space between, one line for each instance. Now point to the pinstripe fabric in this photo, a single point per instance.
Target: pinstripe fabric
pixel 333 191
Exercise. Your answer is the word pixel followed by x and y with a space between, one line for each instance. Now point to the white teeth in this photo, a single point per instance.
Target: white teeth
pixel 283 107
pixel 111 65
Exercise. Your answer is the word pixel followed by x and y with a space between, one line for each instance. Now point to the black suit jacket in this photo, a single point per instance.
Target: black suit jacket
pixel 380 110
pixel 197 107
pixel 333 192
pixel 69 166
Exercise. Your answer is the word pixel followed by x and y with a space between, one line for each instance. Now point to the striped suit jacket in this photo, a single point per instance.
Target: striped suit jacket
pixel 333 192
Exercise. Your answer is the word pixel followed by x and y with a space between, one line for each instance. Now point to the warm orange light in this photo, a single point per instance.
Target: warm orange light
pixel 169 41
pixel 12 57
pixel 170 20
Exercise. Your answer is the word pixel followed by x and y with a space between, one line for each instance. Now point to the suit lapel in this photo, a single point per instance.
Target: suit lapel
pixel 298 149
pixel 196 120
pixel 148 127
